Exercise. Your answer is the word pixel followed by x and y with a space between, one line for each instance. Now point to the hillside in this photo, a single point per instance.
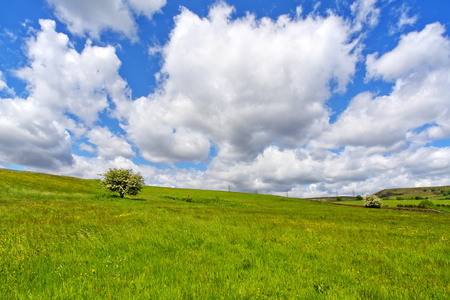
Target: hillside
pixel 63 237
pixel 433 193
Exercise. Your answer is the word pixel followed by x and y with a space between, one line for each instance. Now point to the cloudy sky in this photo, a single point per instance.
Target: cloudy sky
pixel 288 96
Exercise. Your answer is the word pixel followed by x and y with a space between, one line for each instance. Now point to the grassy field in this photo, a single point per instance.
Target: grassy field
pixel 394 203
pixel 65 238
pixel 431 193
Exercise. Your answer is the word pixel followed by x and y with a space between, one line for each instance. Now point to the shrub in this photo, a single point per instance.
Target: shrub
pixel 359 197
pixel 372 201
pixel 399 198
pixel 338 198
pixel 399 205
pixel 122 181
pixel 426 204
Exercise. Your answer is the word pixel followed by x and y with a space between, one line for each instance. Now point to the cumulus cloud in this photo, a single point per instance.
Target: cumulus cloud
pixel 243 84
pixel 419 101
pixel 246 96
pixel 67 90
pixel 29 136
pixel 108 144
pixel 417 53
pixel 146 7
pixel 68 81
pixel 379 138
pixel 93 17
pixel 376 142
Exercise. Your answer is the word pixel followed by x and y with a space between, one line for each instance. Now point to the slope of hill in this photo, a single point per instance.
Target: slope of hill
pixel 26 185
pixel 433 193
pixel 63 237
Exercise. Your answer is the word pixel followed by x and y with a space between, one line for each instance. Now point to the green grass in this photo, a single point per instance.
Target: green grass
pixel 65 238
pixel 432 193
pixel 394 203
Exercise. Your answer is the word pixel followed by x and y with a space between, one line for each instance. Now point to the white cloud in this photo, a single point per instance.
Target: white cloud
pixel 405 20
pixel 242 84
pixel 93 17
pixel 8 34
pixel 417 52
pixel 365 13
pixel 255 90
pixel 4 87
pixel 67 90
pixel 29 136
pixel 146 7
pixel 67 81
pixel 90 168
pixel 419 102
pixel 307 173
pixel 109 145
pixel 380 138
pixel 87 147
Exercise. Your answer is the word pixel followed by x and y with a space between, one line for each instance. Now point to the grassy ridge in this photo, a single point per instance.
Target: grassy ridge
pixel 432 193
pixel 66 238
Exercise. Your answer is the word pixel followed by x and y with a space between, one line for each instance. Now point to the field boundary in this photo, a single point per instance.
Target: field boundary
pixel 395 208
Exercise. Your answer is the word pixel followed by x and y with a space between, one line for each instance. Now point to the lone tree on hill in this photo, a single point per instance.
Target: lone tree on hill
pixel 122 181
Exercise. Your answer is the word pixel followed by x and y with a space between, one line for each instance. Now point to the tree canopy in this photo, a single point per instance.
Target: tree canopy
pixel 122 181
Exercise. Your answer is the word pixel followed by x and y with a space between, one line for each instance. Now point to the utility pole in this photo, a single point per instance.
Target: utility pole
pixel 229 188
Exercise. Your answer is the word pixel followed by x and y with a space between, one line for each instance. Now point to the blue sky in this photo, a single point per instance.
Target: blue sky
pixel 306 97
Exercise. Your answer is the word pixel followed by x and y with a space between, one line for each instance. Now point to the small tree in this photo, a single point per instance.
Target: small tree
pixel 426 204
pixel 372 201
pixel 122 181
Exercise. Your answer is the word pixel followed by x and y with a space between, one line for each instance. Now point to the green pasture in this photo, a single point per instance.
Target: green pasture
pixel 66 238
pixel 430 193
pixel 394 203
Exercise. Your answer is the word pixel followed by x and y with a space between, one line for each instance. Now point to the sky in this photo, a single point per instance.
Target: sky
pixel 288 97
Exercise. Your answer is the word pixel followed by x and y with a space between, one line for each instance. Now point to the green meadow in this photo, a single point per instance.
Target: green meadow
pixel 395 203
pixel 66 238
